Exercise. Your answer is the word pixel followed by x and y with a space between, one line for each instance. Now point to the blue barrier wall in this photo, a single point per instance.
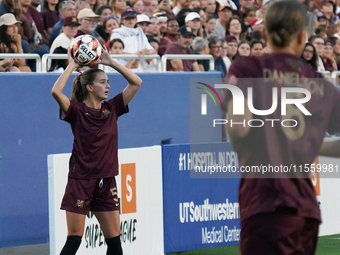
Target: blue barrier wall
pixel 30 129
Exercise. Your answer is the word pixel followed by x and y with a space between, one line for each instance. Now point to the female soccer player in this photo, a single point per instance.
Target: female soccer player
pixel 94 161
pixel 280 215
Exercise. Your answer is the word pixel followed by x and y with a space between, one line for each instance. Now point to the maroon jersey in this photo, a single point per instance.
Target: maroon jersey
pixel 95 145
pixel 50 18
pixel 174 48
pixel 278 145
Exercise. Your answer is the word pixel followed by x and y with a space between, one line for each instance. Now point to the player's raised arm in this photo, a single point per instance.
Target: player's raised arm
pixel 57 90
pixel 134 81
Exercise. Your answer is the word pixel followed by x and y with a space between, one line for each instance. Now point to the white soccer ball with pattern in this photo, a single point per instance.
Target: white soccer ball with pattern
pixel 85 50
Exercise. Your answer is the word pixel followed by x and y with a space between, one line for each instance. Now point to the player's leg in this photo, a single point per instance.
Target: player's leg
pixel 272 233
pixel 309 236
pixel 75 229
pixel 110 225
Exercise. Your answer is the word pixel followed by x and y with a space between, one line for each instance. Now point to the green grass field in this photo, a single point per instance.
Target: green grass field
pixel 327 245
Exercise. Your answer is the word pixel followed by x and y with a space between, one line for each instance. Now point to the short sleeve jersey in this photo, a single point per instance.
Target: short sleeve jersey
pixel 276 145
pixel 95 145
pixel 174 48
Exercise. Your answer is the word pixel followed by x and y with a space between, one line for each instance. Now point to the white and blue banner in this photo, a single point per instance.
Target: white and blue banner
pixel 198 212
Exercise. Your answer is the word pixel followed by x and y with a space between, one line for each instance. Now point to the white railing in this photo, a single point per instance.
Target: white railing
pixel 135 56
pixel 24 56
pixel 46 60
pixel 187 56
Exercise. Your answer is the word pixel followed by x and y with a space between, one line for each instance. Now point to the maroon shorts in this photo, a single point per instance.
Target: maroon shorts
pixel 97 195
pixel 279 234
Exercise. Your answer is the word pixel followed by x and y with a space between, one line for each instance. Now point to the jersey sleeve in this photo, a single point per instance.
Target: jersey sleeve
pixel 117 103
pixel 334 121
pixel 71 112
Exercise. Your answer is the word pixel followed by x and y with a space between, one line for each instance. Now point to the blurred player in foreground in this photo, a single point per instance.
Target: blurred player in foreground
pixel 94 161
pixel 279 213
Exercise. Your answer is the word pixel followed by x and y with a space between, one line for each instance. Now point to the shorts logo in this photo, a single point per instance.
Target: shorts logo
pixel 114 194
pixel 80 204
pixel 128 199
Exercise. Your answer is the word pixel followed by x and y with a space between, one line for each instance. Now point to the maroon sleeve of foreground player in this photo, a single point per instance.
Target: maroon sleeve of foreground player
pixel 117 103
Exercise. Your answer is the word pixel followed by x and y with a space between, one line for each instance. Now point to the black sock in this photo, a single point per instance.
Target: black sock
pixel 71 246
pixel 114 247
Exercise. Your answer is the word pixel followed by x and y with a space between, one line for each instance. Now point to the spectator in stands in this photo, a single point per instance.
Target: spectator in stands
pixel 165 5
pixel 193 20
pixel 82 4
pixel 243 49
pixel 316 5
pixel 116 46
pixel 70 29
pixel 101 2
pixel 170 36
pixel 224 14
pixel 336 50
pixel 92 4
pixel 234 28
pixel 10 42
pixel 117 7
pixel 327 57
pixel 179 4
pixel 321 30
pixel 337 34
pixel 248 16
pixel 182 46
pixel 224 54
pixel 162 23
pixel 138 6
pixel 319 43
pixel 258 26
pixel 133 38
pixel 211 8
pixel 66 9
pixel 327 10
pixel 331 29
pixel 150 65
pixel 59 65
pixel 150 6
pixel 33 27
pixel 103 11
pixel 194 4
pixel 215 48
pixel 203 4
pixel 200 46
pixel 143 21
pixel 203 17
pixel 50 14
pixel 110 23
pixel 309 54
pixel 88 19
pixel 180 17
pixel 153 27
pixel 210 25
pixel 232 46
pixel 38 20
pixel 244 6
pixel 256 48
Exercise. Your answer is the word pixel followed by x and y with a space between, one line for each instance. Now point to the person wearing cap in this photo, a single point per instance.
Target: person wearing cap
pixel 88 20
pixel 182 46
pixel 322 19
pixel 232 47
pixel 70 29
pixel 11 41
pixel 193 20
pixel 258 25
pixel 224 14
pixel 66 9
pixel 327 57
pixel 134 39
pixel 162 22
pixel 143 21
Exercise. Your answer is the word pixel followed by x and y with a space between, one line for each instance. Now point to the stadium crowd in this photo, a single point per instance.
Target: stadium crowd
pixel 225 29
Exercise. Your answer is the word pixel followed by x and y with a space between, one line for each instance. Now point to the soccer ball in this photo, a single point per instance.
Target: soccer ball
pixel 85 50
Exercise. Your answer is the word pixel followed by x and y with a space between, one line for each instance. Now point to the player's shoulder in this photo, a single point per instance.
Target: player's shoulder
pixel 245 67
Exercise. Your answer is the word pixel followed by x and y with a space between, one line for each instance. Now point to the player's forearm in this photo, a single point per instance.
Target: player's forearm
pixel 62 80
pixel 130 76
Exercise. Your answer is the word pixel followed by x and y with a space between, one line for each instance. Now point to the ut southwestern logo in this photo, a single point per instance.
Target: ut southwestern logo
pixel 289 106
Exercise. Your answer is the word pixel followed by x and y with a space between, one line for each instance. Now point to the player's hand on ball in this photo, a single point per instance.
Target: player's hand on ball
pixel 105 58
pixel 71 60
